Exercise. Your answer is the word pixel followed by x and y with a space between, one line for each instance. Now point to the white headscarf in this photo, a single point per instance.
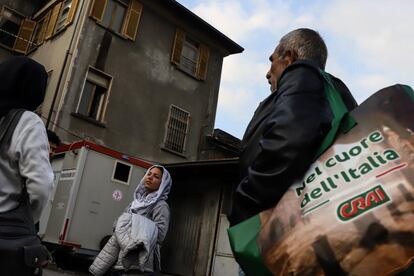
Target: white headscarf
pixel 143 199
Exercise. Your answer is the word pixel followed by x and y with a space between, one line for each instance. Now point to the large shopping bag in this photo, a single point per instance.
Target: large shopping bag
pixel 353 211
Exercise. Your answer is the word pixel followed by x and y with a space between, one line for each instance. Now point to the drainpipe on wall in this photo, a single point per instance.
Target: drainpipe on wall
pixel 49 116
pixel 69 53
pixel 212 253
pixel 84 16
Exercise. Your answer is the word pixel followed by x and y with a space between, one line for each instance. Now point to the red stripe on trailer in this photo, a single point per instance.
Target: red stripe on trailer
pixel 63 236
pixel 70 244
pixel 65 228
pixel 106 151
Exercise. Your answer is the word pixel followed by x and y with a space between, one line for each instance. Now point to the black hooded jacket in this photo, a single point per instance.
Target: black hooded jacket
pixel 23 84
pixel 282 138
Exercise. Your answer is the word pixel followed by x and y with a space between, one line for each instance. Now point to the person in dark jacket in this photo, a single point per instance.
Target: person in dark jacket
pixel 26 175
pixel 288 126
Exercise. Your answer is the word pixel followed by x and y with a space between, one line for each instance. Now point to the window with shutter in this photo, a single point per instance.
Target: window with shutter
pixel 10 22
pixel 189 55
pixel 39 31
pixel 132 20
pixel 114 15
pixel 118 15
pixel 25 33
pixel 63 14
pixel 52 20
pixel 72 12
pixel 97 9
pixel 176 130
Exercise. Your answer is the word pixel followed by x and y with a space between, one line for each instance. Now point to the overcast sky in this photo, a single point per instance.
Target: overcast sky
pixel 370 44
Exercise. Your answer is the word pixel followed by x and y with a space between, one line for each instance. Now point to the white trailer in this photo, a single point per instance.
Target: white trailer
pixel 93 186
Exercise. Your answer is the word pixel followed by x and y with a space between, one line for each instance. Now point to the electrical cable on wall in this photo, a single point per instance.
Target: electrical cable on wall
pixel 64 129
pixel 83 138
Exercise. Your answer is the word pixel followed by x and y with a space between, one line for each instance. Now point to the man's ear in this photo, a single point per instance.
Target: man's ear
pixel 290 57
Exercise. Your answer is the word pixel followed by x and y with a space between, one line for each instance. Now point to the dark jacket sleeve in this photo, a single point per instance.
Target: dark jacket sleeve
pixel 299 119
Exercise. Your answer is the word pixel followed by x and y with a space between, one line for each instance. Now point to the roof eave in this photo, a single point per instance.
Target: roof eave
pixel 231 46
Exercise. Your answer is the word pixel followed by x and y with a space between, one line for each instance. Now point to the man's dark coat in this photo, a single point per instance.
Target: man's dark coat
pixel 281 140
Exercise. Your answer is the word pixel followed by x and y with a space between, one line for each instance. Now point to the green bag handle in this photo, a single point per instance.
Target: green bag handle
pixel 243 241
pixel 342 121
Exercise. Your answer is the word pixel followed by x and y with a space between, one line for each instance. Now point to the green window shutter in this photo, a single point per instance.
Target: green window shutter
pixel 25 34
pixel 178 46
pixel 72 12
pixel 202 63
pixel 97 9
pixel 132 20
pixel 52 20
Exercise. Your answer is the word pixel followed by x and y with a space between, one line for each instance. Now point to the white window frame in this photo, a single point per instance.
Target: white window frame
pixel 102 108
pixel 129 174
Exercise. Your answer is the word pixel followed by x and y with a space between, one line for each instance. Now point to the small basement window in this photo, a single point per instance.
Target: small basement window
pixel 122 172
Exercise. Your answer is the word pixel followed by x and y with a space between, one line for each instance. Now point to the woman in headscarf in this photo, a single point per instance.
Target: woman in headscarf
pixel 26 176
pixel 139 233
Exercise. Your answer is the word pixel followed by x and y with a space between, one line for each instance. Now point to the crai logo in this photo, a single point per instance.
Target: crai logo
pixel 352 165
pixel 362 203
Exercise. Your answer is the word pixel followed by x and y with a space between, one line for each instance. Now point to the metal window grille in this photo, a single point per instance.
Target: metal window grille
pixel 177 129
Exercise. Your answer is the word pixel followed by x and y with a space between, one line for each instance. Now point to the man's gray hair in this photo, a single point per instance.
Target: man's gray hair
pixel 306 44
